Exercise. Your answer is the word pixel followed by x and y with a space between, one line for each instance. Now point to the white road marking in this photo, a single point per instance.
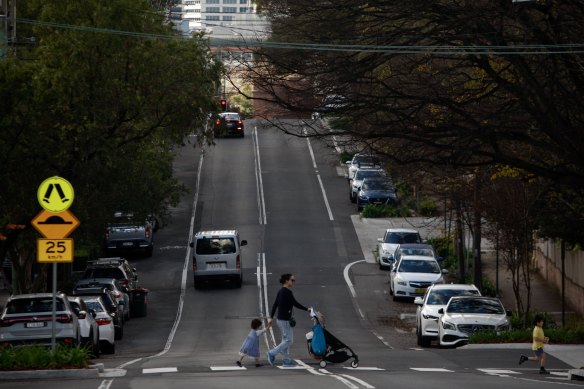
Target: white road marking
pixel 499 371
pixel 364 368
pixel 326 202
pixel 160 370
pixel 263 219
pixel 432 369
pixel 227 368
pixel 359 381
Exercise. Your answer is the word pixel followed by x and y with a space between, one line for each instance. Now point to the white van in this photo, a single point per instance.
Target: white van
pixel 217 255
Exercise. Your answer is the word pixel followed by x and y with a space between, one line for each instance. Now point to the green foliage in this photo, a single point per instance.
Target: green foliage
pixel 488 288
pixel 346 156
pixel 524 335
pixel 427 207
pixel 40 357
pixel 375 211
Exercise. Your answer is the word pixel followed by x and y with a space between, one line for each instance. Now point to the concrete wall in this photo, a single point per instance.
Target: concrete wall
pixel 549 264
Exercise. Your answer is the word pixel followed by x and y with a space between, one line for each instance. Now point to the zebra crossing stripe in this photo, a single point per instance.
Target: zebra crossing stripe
pixel 160 370
pixel 432 369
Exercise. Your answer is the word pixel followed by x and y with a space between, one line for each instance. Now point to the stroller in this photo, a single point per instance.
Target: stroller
pixel 334 351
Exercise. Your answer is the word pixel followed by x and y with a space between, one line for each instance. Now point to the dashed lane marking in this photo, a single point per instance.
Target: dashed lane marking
pixel 227 368
pixel 432 369
pixel 160 370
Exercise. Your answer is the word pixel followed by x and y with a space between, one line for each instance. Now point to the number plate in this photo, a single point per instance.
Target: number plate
pixel 216 266
pixel 420 290
pixel 127 244
pixel 35 324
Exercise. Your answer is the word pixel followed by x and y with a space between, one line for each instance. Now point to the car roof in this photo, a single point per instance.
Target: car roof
pixel 418 258
pixel 415 246
pixel 453 286
pixel 34 295
pixel 401 230
pixel 215 233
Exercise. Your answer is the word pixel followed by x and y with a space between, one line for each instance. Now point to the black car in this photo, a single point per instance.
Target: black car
pixel 115 267
pixel 228 124
pixel 376 191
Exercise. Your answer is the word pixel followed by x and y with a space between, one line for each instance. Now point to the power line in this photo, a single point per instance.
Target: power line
pixel 533 49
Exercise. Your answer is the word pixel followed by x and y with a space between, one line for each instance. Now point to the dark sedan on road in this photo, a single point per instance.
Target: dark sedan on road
pixel 228 124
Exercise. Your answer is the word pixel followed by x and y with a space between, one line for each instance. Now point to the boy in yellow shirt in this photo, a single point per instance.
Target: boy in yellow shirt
pixel 537 346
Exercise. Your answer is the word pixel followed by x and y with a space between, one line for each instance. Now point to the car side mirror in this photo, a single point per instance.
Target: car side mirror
pixel 444 271
pixel 243 243
pixel 380 240
pixel 441 311
pixel 81 315
pixel 93 313
pixel 418 301
pixel 192 244
pixel 509 313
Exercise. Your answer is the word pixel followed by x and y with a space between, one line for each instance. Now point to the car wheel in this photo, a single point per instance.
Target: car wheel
pixel 108 348
pixel 95 348
pixel 239 282
pixel 119 332
pixel 422 340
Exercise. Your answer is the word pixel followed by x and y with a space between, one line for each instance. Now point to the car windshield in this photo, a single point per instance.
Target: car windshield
pixel 377 185
pixel 33 305
pixel 364 173
pixel 442 296
pixel 403 237
pixel 104 273
pixel 418 266
pixel 209 246
pixel 95 305
pixel 482 306
pixel 365 160
pixel 421 252
pixel 231 117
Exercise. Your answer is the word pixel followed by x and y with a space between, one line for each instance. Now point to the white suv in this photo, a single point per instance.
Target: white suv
pixel 217 255
pixel 436 297
pixel 392 238
pixel 27 319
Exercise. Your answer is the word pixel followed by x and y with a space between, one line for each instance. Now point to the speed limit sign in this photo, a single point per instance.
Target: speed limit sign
pixel 54 250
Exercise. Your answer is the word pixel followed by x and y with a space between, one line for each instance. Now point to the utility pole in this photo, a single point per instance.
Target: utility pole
pixel 8 26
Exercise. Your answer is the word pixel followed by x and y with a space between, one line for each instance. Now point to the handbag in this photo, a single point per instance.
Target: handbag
pixel 292 321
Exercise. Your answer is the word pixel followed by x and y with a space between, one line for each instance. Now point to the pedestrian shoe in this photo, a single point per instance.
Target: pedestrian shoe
pixel 238 363
pixel 543 371
pixel 290 363
pixel 522 359
pixel 258 364
pixel 270 358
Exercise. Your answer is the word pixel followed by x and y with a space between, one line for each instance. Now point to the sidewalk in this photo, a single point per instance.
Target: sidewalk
pixel 543 297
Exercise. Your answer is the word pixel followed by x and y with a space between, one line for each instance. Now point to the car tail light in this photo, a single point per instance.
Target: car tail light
pixel 239 122
pixel 107 234
pixel 68 340
pixel 125 281
pixel 217 122
pixel 238 262
pixel 6 323
pixel 5 344
pixel 104 321
pixel 64 318
pixel 194 264
pixel 117 294
pixel 148 232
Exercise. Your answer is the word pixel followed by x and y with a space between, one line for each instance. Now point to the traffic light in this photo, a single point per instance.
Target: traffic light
pixel 223 105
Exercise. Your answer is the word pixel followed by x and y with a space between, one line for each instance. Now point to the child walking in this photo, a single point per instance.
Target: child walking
pixel 251 344
pixel 537 346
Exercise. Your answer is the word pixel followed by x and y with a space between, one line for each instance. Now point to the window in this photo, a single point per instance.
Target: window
pixel 243 10
pixel 212 1
pixel 227 18
pixel 243 1
pixel 230 10
pixel 210 246
pixel 229 1
pixel 213 9
pixel 212 17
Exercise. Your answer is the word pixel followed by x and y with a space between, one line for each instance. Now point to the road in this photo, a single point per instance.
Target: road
pixel 288 199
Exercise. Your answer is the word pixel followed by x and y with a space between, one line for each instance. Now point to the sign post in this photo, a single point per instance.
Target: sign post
pixel 55 223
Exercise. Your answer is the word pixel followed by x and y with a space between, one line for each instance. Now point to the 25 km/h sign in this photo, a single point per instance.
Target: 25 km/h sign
pixel 54 250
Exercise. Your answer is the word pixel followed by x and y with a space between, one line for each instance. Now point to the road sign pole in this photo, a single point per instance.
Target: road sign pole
pixel 54 318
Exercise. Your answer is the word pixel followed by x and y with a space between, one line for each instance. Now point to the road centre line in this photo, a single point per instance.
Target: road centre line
pixel 263 219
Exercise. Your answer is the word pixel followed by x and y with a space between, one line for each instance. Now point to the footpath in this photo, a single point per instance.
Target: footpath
pixel 544 298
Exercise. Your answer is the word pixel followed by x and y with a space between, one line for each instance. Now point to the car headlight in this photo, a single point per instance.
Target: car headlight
pixel 448 326
pixel 399 281
pixel 429 317
pixel 439 280
pixel 506 326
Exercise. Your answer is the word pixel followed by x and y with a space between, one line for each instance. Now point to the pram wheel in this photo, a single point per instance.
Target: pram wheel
pixel 322 363
pixel 354 363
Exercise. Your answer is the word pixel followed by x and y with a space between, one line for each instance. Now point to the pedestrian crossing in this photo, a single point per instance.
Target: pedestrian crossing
pixel 302 366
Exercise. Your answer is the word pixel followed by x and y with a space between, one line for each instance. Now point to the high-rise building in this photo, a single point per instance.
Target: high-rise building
pixel 220 18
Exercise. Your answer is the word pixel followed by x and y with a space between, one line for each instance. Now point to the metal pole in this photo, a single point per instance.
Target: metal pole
pixel 497 264
pixel 54 318
pixel 563 257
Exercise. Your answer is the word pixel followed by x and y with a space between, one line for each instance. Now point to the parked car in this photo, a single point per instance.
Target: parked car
pixel 115 310
pixel 362 160
pixel 217 255
pixel 412 275
pixel 416 249
pixel 436 297
pixel 465 315
pixel 376 191
pixel 27 319
pixel 360 175
pixel 115 267
pixel 105 322
pixel 120 292
pixel 129 234
pixel 228 123
pixel 391 239
pixel 87 324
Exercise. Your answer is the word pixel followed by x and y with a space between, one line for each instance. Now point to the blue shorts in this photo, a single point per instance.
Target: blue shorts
pixel 538 352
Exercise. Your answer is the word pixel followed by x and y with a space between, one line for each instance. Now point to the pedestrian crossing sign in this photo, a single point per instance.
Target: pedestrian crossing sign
pixel 55 194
